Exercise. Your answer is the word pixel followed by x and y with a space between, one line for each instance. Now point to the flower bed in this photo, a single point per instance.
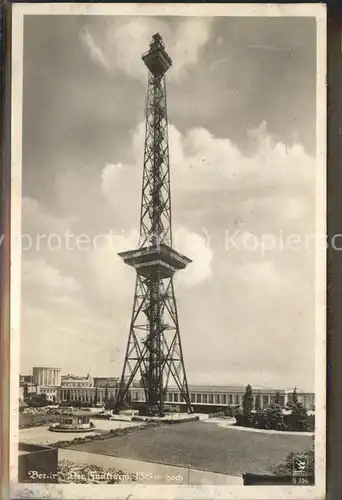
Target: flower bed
pixel 103 435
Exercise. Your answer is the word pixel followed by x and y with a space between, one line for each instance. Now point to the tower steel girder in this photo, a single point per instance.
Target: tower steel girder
pixel 154 350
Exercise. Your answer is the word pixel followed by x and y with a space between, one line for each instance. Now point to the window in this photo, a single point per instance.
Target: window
pixel 282 401
pixel 265 401
pixel 230 399
pixel 217 398
pixel 198 398
pixel 211 398
pixel 192 397
pixel 175 397
pixel 224 399
pixel 237 399
pixel 205 398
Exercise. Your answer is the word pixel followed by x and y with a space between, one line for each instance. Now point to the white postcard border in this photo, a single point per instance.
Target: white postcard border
pixel 139 491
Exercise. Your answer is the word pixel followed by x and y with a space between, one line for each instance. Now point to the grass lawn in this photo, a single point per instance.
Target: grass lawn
pixel 203 446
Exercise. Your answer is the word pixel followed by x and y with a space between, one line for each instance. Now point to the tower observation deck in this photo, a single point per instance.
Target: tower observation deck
pixel 154 352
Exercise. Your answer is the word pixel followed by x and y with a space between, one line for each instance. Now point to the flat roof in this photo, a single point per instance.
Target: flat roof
pixel 235 388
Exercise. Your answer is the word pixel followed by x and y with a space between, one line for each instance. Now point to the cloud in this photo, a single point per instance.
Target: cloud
pixel 107 268
pixel 94 51
pixel 272 188
pixel 37 220
pixel 269 163
pixel 196 247
pixel 110 176
pixel 124 42
pixel 42 278
pixel 273 176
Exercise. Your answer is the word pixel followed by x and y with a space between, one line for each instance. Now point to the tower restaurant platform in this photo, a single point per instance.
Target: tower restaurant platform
pixel 160 259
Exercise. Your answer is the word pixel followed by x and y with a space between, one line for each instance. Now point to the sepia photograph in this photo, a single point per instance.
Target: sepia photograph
pixel 168 221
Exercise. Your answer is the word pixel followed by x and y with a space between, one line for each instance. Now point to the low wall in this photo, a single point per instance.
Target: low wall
pixel 37 464
pixel 61 429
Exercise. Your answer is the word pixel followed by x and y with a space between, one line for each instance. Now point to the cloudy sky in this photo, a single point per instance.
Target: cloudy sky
pixel 241 105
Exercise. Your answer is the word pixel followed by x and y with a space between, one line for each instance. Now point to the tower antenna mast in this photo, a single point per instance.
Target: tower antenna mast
pixel 154 351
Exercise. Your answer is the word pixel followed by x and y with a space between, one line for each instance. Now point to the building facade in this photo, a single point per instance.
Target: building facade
pixel 106 381
pixel 230 396
pixel 86 394
pixel 75 381
pixel 51 393
pixel 200 396
pixel 47 377
pixel 90 390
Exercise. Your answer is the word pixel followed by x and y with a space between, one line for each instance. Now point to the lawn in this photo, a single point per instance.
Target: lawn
pixel 203 446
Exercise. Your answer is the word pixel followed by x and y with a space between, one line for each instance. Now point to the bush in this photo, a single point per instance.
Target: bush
pixel 274 418
pixel 311 423
pixel 298 419
pixel 243 420
pixel 259 421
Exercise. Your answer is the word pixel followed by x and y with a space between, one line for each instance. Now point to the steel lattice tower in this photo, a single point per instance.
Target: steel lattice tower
pixel 154 350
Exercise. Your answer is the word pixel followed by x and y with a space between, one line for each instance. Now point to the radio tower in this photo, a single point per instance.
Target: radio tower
pixel 154 351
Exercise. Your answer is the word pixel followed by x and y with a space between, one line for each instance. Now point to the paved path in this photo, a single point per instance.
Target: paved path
pixel 151 473
pixel 42 435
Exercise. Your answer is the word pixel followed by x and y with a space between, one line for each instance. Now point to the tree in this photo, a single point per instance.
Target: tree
pixel 274 418
pixel 298 420
pixel 111 403
pixel 259 420
pixel 38 400
pixel 294 397
pixel 277 398
pixel 247 405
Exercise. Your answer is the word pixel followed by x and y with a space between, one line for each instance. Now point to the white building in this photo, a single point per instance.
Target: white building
pixel 209 396
pixel 47 377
